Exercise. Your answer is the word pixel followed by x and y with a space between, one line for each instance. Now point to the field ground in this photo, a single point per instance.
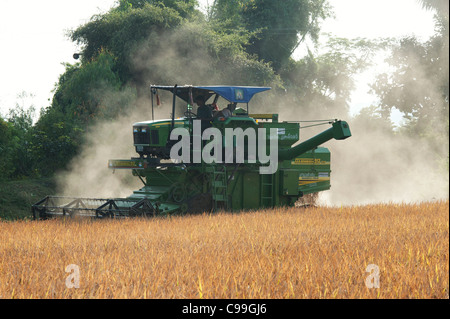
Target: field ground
pixel 281 253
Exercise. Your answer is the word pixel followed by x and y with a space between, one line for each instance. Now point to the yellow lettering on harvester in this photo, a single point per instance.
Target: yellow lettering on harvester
pixel 124 163
pixel 309 161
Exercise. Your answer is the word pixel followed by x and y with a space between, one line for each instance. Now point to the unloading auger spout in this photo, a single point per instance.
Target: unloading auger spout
pixel 339 131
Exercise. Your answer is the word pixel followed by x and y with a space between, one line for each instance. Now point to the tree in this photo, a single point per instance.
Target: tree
pixel 82 88
pixel 324 82
pixel 85 93
pixel 143 35
pixel 121 31
pixel 185 8
pixel 6 150
pixel 16 129
pixel 54 142
pixel 277 27
pixel 21 120
pixel 196 53
pixel 419 85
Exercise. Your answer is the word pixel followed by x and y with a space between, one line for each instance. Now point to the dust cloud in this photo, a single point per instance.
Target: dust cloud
pixel 377 164
pixel 88 174
pixel 372 166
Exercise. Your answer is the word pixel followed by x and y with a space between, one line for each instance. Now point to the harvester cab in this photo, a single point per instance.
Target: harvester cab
pixel 208 159
pixel 152 138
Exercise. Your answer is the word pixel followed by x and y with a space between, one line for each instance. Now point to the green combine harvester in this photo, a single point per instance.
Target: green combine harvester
pixel 196 162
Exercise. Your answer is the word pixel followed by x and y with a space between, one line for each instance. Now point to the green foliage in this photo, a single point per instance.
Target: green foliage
pixel 6 149
pixel 121 31
pixel 325 81
pixel 15 131
pixel 22 122
pixel 85 93
pixel 184 8
pixel 419 87
pixel 418 84
pixel 227 13
pixel 276 26
pixel 79 91
pixel 199 54
pixel 55 141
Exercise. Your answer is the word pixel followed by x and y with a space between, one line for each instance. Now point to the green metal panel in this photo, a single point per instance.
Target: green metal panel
pixel 235 190
pixel 289 182
pixel 301 170
pixel 287 133
pixel 251 192
pixel 313 170
pixel 267 193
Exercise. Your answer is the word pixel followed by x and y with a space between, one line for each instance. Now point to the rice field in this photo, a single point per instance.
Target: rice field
pixel 371 251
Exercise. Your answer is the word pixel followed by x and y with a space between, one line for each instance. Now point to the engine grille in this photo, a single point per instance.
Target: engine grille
pixel 145 136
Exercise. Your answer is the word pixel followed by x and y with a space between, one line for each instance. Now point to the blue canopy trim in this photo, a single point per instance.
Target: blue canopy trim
pixel 238 94
pixel 234 94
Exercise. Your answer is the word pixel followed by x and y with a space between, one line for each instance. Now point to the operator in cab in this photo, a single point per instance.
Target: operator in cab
pixel 204 112
pixel 226 112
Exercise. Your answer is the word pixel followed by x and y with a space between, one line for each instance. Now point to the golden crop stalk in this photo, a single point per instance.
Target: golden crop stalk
pixel 319 252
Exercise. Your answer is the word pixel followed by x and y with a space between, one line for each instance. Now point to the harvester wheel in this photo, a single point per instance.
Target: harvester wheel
pixel 184 208
pixel 179 193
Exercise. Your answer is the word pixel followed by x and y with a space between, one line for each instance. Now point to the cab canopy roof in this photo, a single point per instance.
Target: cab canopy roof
pixel 234 94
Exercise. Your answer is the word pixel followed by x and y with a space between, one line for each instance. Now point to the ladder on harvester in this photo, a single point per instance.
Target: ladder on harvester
pixel 266 190
pixel 219 186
